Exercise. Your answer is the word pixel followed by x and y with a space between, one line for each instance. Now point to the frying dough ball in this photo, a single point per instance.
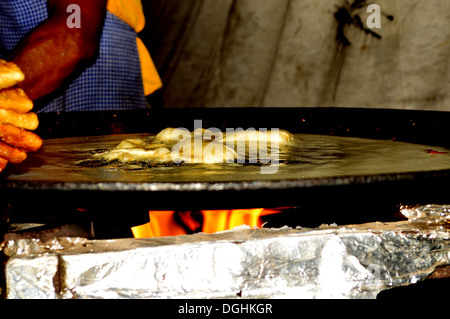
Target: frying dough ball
pixel 200 146
pixel 201 151
pixel 135 155
pixel 280 136
pixel 173 135
pixel 170 135
pixel 131 143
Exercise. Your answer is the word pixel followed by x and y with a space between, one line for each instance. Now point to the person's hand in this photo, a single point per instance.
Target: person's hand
pixel 16 120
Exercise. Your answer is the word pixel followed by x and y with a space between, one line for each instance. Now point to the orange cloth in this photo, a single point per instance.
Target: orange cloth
pixel 131 11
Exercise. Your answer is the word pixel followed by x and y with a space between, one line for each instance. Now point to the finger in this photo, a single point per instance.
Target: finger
pixel 20 138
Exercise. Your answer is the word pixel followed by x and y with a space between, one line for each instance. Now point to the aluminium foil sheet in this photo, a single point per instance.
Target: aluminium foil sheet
pixel 354 261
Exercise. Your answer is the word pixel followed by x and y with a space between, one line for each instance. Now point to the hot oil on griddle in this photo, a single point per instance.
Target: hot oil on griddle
pixel 309 156
pixel 67 161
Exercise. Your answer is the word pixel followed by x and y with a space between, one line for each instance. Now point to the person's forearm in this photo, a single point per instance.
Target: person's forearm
pixel 53 53
pixel 45 67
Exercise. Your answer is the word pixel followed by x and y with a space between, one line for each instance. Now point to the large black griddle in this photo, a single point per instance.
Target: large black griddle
pixel 49 180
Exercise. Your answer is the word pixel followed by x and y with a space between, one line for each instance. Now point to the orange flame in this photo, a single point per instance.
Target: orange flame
pixel 172 223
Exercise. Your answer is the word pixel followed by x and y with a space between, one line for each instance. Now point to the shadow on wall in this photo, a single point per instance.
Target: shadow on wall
pixel 301 53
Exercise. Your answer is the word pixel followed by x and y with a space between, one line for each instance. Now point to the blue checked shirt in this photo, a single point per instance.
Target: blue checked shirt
pixel 113 82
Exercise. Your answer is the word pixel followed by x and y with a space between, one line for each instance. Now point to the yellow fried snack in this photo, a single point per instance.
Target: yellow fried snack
pixel 10 74
pixel 15 99
pixel 3 163
pixel 28 121
pixel 20 138
pixel 12 154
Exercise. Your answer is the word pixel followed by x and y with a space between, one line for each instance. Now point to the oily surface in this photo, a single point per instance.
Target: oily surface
pixel 65 163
